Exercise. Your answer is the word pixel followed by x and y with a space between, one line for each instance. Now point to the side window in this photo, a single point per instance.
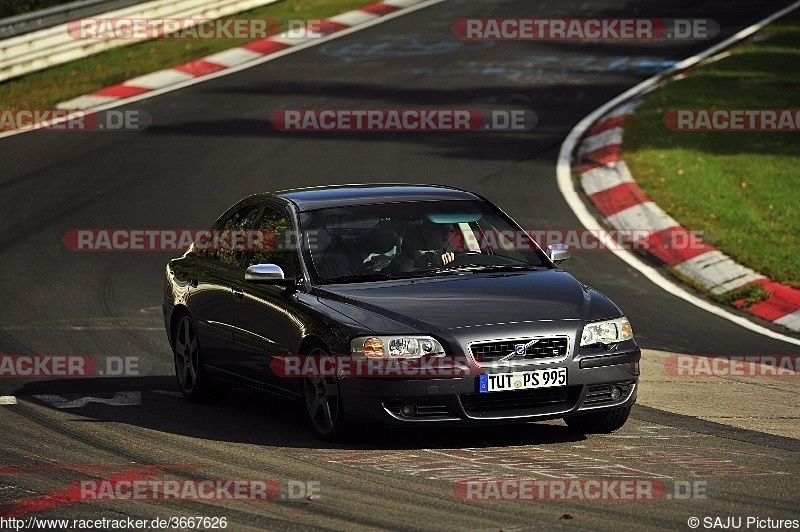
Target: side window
pixel 278 248
pixel 223 249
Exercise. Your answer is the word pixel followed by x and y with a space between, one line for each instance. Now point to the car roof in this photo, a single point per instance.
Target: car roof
pixel 306 199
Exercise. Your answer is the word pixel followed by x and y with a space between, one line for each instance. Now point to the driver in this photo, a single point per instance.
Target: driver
pixel 437 250
pixel 424 246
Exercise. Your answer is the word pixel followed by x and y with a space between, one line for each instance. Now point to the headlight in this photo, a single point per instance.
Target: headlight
pixel 607 332
pixel 395 346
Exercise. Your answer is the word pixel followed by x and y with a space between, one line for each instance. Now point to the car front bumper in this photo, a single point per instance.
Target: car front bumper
pixel 458 401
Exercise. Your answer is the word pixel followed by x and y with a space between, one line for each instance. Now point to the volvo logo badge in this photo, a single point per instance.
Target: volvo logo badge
pixel 519 350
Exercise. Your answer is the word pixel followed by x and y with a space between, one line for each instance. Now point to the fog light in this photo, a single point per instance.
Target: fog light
pixel 408 410
pixel 616 393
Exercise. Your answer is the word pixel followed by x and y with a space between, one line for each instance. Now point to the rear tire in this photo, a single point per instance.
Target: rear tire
pixel 195 385
pixel 599 422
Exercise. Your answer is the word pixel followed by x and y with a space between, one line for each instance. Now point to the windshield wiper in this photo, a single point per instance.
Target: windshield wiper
pixel 491 267
pixel 373 276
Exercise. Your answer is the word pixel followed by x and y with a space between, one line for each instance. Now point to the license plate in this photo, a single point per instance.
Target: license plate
pixel 522 380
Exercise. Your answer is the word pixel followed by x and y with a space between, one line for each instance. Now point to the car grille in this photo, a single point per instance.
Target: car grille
pixel 548 399
pixel 597 394
pixel 542 348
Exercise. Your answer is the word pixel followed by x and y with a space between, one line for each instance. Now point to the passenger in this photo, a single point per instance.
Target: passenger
pixel 329 260
pixel 381 246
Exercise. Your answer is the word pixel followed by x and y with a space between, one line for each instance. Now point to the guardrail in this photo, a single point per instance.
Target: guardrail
pixel 61 14
pixel 45 48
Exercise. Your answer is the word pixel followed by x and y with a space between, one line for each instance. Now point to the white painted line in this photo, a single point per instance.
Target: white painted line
pixel 161 78
pixel 8 400
pixel 290 37
pixel 791 321
pixel 573 199
pixel 86 101
pixel 601 140
pixel 401 3
pixel 643 216
pixel 353 18
pixel 233 57
pixel 119 399
pixel 624 109
pixel 168 392
pixel 605 177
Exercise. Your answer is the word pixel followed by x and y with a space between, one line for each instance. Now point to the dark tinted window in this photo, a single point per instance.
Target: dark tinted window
pixel 277 243
pixel 224 248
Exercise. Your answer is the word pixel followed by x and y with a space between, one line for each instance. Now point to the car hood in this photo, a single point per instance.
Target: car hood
pixel 436 303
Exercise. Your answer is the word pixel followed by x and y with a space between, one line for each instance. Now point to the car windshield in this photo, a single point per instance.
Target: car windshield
pixel 412 239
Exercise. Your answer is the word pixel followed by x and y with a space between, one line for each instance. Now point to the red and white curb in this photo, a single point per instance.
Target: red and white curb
pixel 235 58
pixel 609 185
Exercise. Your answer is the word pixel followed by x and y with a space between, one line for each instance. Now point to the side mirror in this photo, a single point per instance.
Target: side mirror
pixel 558 252
pixel 267 274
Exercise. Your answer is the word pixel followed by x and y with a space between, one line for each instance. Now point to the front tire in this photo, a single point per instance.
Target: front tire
pixel 599 422
pixel 195 385
pixel 324 404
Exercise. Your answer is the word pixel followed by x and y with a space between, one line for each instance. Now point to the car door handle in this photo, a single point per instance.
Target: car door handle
pixel 238 293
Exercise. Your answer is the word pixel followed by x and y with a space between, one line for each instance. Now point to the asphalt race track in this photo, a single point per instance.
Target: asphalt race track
pixel 211 144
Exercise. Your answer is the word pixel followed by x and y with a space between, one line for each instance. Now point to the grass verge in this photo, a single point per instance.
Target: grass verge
pixel 741 189
pixel 43 90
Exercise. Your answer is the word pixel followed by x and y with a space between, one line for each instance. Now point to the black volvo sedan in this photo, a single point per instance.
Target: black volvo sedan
pixel 395 304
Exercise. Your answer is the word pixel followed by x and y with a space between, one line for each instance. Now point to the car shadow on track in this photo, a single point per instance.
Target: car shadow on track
pixel 260 418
